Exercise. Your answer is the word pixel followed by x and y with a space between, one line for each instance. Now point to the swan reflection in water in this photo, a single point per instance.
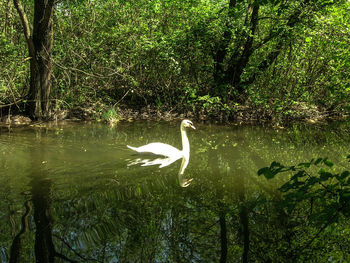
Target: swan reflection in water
pixel 167 154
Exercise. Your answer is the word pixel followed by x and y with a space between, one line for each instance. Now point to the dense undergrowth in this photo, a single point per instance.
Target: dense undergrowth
pixel 222 60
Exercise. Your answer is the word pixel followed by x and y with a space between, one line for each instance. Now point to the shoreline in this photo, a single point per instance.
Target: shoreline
pixel 242 115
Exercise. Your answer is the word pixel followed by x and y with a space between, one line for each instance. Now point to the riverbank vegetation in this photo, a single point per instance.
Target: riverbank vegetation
pixel 223 60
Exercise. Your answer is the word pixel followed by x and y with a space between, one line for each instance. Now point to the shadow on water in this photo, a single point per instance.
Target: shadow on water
pixel 74 194
pixel 40 204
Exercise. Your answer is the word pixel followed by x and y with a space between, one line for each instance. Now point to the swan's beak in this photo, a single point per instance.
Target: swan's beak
pixel 186 183
pixel 192 127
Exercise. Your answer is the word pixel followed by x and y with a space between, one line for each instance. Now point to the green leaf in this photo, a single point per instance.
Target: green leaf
pixel 301 173
pixel 345 195
pixel 306 165
pixel 313 180
pixel 344 174
pixel 318 161
pixel 286 187
pixel 327 162
pixel 341 178
pixel 266 171
pixel 324 176
pixel 275 164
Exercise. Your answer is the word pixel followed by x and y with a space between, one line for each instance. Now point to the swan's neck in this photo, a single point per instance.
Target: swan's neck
pixel 185 144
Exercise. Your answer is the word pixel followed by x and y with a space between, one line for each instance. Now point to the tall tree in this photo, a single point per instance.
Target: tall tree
pixel 240 42
pixel 39 44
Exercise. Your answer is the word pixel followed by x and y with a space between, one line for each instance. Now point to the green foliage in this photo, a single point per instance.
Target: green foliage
pixel 111 116
pixel 327 192
pixel 313 69
pixel 213 106
pixel 164 54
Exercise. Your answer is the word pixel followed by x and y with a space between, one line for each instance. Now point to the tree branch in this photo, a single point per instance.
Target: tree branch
pixel 282 34
pixel 47 13
pixel 328 223
pixel 16 244
pixel 26 28
pixel 73 250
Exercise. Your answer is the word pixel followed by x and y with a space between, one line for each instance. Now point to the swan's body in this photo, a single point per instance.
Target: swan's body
pixel 169 154
pixel 158 148
pixel 167 150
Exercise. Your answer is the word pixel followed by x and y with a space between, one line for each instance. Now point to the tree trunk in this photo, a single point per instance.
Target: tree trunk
pixel 223 234
pixel 239 59
pixel 40 51
pixel 236 69
pixel 41 195
pixel 243 216
pixel 219 57
pixel 283 36
pixel 245 232
pixel 228 68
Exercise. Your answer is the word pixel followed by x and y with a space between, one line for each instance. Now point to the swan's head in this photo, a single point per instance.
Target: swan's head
pixel 187 123
pixel 186 182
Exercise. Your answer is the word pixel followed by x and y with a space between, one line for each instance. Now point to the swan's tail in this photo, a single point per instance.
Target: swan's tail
pixel 132 148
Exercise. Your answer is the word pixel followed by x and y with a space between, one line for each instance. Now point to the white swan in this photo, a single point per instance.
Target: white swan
pixel 184 182
pixel 162 162
pixel 167 150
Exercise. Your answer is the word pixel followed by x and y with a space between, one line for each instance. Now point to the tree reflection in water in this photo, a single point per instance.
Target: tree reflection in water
pixel 94 208
pixel 41 199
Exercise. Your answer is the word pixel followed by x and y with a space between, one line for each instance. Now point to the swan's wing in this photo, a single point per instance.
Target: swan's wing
pixel 162 162
pixel 158 149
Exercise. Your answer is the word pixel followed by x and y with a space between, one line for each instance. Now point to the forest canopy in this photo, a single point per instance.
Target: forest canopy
pixel 279 59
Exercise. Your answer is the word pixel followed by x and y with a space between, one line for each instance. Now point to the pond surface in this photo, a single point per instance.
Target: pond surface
pixel 73 192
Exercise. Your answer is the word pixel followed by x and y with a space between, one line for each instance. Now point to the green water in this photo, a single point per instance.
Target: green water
pixel 69 192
